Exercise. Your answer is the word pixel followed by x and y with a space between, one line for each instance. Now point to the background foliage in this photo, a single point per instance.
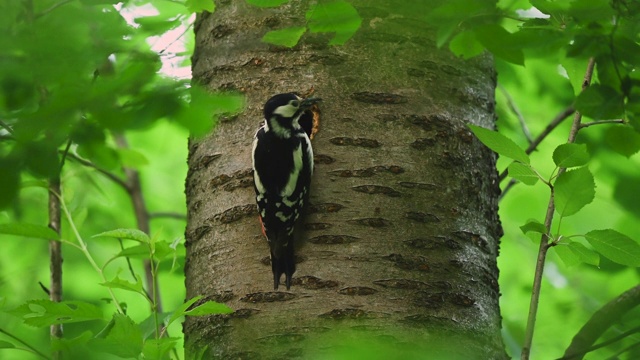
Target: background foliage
pixel 74 75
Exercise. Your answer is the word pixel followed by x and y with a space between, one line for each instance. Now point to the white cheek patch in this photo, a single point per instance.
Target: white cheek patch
pixel 286 111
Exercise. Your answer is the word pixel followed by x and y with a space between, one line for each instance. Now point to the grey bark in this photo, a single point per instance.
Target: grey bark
pixel 402 236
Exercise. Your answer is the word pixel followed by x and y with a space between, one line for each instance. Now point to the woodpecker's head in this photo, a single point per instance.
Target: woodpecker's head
pixel 283 111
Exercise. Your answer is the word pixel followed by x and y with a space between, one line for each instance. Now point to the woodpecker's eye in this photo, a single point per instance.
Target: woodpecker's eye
pixel 295 103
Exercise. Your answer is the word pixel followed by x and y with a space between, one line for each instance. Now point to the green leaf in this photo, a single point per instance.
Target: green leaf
pixel 67 344
pixel 623 140
pixel 573 190
pixel 122 337
pixel 571 155
pixel 465 45
pixel 132 158
pixel 585 254
pixel 209 308
pixel 288 37
pixel 501 43
pixel 180 311
pixel 267 3
pixel 523 173
pixel 615 246
pixel 600 102
pixel 131 234
pixel 205 108
pixel 197 6
pixel 500 144
pixel 29 230
pixel 567 256
pixel 159 348
pixel 338 17
pixel 533 226
pixel 6 345
pixel 42 313
pixel 118 283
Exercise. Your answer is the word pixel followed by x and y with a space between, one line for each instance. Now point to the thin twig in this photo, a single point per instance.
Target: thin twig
pixel 600 122
pixel 52 7
pixel 55 254
pixel 106 173
pixel 516 111
pixel 134 189
pixel 600 321
pixel 6 126
pixel 602 344
pixel 547 130
pixel 545 244
pixel 31 348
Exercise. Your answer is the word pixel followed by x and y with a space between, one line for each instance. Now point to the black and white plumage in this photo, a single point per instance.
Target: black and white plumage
pixel 282 169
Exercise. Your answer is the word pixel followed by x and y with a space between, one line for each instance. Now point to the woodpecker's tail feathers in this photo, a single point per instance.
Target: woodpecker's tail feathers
pixel 282 259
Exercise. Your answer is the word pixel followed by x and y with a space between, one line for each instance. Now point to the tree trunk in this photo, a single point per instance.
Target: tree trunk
pixel 402 232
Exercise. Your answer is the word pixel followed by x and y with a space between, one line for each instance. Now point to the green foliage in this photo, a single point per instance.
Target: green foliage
pixel 573 190
pixel 570 155
pixel 500 144
pixel 46 312
pixel 338 17
pixel 29 230
pixel 615 246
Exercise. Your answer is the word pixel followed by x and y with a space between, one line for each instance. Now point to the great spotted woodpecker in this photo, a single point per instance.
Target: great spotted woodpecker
pixel 282 169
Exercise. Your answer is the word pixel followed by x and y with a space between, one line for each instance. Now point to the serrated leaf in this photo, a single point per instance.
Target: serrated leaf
pixel 122 337
pixel 209 308
pixel 600 102
pixel 197 6
pixel 339 17
pixel 533 226
pixel 131 234
pixel 571 155
pixel 6 345
pixel 205 108
pixel 500 144
pixel 67 344
pixel 288 37
pixel 267 3
pixel 118 283
pixel 616 246
pixel 623 140
pixel 585 254
pixel 42 313
pixel 573 190
pixel 159 348
pixel 523 173
pixel 29 230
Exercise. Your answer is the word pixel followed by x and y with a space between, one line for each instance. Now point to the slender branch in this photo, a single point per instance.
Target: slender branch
pixel 29 347
pixel 6 126
pixel 134 189
pixel 547 130
pixel 616 356
pixel 602 344
pixel 171 215
pixel 106 173
pixel 55 254
pixel 52 7
pixel 600 122
pixel 516 111
pixel 600 321
pixel 544 239
pixel 83 247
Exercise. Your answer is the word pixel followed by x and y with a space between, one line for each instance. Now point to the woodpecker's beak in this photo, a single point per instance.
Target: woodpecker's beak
pixel 309 102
